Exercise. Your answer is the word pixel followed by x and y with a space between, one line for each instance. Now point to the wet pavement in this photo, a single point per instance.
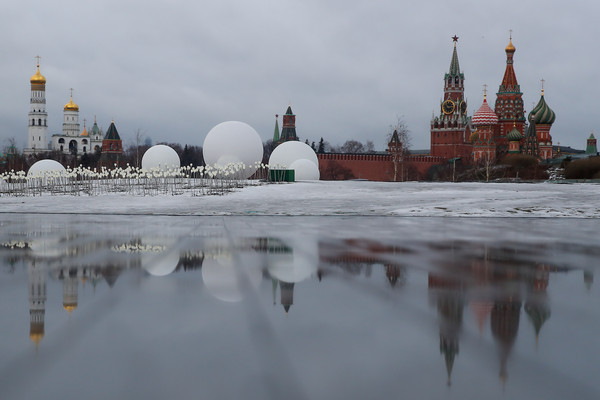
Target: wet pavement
pixel 158 307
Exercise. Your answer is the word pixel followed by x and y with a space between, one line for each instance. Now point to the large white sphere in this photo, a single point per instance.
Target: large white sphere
pixel 161 157
pixel 45 167
pixel 288 152
pixel 305 170
pixel 233 142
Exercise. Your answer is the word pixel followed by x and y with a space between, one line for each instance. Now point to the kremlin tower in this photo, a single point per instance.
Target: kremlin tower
pixel 288 131
pixel 37 134
pixel 451 130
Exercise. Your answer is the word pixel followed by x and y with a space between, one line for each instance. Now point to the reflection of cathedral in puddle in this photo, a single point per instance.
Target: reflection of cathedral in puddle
pixel 70 278
pixel 494 290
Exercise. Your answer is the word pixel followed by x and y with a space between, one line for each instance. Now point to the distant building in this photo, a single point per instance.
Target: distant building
pixel 72 141
pixel 112 146
pixel 288 130
pixel 591 149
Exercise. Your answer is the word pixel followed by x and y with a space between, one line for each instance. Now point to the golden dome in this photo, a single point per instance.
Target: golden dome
pixel 36 338
pixel 70 307
pixel 84 133
pixel 38 78
pixel 70 106
pixel 510 48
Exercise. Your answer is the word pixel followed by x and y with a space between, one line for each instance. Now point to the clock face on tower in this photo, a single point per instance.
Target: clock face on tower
pixel 448 107
pixel 463 107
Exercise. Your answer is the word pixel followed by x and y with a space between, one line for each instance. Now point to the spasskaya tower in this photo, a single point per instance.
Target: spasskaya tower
pixel 450 130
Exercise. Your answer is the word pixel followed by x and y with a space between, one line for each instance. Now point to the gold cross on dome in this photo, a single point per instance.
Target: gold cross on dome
pixel 484 90
pixel 510 34
pixel 71 92
pixel 38 60
pixel 543 85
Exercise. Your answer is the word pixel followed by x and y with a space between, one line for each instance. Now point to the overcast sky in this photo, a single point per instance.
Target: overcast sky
pixel 174 69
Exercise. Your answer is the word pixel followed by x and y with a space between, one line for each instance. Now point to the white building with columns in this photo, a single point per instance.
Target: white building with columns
pixel 72 140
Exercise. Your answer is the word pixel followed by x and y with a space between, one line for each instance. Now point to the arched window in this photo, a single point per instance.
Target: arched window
pixel 456 80
pixel 84 149
pixel 33 122
pixel 40 121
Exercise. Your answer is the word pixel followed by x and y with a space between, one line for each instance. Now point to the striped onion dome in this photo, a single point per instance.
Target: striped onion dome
pixel 543 114
pixel 485 115
pixel 514 135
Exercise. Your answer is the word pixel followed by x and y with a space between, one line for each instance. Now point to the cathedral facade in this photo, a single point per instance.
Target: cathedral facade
pixel 489 134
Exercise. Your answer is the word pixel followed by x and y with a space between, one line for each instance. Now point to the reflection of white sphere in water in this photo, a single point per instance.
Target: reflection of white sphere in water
pixel 297 265
pixel 45 167
pixel 161 157
pixel 161 263
pixel 233 142
pixel 305 170
pixel 225 281
pixel 47 246
pixel 288 152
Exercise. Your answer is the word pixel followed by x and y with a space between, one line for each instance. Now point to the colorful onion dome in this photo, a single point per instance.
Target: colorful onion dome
pixel 542 113
pixel 38 78
pixel 485 115
pixel 514 135
pixel 70 106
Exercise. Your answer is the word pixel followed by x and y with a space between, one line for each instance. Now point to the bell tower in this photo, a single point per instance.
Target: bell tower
pixel 37 132
pixel 450 131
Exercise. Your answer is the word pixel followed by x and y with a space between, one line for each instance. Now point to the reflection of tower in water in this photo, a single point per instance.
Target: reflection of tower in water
pixel 536 306
pixel 450 304
pixel 37 301
pixel 70 283
pixel 505 325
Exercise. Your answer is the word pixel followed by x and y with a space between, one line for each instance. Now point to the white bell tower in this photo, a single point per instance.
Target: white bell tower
pixel 37 134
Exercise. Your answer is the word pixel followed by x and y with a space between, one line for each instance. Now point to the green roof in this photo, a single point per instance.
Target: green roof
pixel 543 113
pixel 276 132
pixel 111 133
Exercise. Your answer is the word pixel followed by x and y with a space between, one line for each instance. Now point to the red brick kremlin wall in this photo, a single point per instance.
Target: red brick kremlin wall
pixel 374 167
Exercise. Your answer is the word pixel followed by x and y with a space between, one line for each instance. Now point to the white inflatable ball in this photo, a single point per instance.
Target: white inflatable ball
pixel 305 170
pixel 160 157
pixel 233 142
pixel 45 168
pixel 288 152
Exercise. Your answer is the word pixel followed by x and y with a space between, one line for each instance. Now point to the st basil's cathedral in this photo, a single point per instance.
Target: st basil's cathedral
pixel 489 134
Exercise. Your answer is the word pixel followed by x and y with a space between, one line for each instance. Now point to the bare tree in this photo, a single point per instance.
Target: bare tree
pixel 352 146
pixel 138 136
pixel 403 134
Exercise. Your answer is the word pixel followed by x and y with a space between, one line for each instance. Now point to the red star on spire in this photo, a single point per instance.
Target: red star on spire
pixel 455 38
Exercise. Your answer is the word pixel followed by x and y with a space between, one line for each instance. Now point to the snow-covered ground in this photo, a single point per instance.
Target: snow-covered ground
pixel 341 198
